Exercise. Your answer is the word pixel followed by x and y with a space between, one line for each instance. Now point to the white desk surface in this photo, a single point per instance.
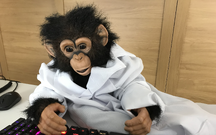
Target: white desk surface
pixel 7 117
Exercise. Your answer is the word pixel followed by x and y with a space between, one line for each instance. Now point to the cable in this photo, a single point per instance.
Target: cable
pixel 3 77
pixel 16 86
pixel 8 85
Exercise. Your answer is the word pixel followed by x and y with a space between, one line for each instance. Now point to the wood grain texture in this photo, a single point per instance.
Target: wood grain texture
pixel 178 38
pixel 20 22
pixel 0 70
pixel 3 61
pixel 165 44
pixel 194 73
pixel 138 23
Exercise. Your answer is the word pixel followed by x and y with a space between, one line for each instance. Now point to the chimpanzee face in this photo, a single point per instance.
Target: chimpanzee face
pixel 77 41
pixel 80 51
pixel 77 52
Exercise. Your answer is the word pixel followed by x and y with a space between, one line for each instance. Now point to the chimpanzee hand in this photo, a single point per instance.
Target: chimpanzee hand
pixel 50 122
pixel 139 125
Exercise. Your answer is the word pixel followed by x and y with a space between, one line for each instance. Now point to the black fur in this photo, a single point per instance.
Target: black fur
pixel 79 22
pixel 154 112
pixel 34 111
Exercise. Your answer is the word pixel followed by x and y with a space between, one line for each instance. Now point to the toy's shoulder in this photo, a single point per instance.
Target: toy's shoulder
pixel 118 51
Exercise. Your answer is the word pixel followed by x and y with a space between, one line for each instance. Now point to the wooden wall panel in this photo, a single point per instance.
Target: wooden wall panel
pixel 138 23
pixel 20 22
pixel 0 70
pixel 3 62
pixel 165 44
pixel 193 61
pixel 175 39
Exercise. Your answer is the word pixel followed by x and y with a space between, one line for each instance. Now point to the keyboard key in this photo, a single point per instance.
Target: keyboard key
pixel 63 132
pixel 16 128
pixel 24 130
pixel 5 130
pixel 22 124
pixel 83 131
pixel 10 132
pixel 18 121
pixel 18 133
pixel 73 131
pixel 103 132
pixel 73 128
pixel 93 132
pixel 33 131
pixel 29 125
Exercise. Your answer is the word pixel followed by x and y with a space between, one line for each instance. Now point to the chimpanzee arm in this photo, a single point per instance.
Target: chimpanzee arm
pixel 34 111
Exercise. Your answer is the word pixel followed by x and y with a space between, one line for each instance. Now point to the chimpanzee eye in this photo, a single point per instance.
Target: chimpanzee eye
pixel 82 46
pixel 69 49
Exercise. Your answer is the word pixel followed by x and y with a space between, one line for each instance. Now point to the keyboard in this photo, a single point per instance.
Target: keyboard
pixel 23 126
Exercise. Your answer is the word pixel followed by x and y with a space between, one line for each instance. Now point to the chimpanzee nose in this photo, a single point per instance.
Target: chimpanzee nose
pixel 78 57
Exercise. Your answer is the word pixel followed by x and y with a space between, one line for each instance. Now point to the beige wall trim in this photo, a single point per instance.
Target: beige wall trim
pixel 165 43
pixel 178 37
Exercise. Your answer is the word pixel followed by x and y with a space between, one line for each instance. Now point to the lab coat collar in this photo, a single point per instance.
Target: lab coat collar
pixel 99 75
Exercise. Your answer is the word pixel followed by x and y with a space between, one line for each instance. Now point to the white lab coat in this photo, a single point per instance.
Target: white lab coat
pixel 113 91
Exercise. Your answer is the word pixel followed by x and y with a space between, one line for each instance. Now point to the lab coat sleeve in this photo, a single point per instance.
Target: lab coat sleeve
pixel 132 88
pixel 138 94
pixel 44 92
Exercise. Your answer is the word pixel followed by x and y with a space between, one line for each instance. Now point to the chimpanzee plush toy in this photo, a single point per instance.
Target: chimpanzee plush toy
pixel 90 76
pixel 100 85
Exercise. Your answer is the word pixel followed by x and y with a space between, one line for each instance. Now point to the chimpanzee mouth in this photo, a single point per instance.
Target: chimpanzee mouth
pixel 82 71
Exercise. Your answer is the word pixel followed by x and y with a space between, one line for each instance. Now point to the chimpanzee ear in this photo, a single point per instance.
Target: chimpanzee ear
pixel 49 49
pixel 102 32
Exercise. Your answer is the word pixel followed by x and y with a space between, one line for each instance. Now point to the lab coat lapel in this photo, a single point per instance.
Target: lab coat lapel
pixel 99 76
